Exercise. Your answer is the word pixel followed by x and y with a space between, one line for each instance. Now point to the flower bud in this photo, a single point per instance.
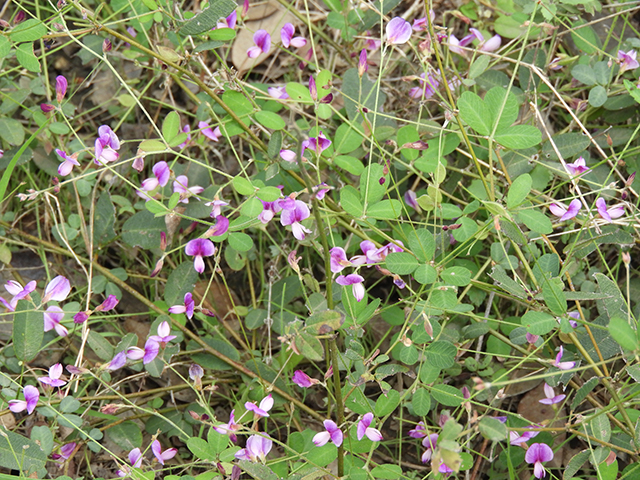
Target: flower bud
pixel 363 66
pixel 46 107
pixel 61 88
pixel 106 45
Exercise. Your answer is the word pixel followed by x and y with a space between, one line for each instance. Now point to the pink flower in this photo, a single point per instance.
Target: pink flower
pixel 293 216
pixel 398 31
pixel 560 210
pixel 181 186
pixel 216 206
pixel 229 428
pixel 321 190
pixel 198 248
pixel 150 352
pixel 18 293
pixel 317 144
pixel 47 107
pixel 578 167
pixel 213 135
pixel 363 65
pixel 53 380
pixel 258 446
pixel 532 339
pixel 163 337
pixel 262 41
pixel 492 44
pixel 419 432
pixel 161 175
pixel 186 129
pixel 187 308
pixel 229 22
pixel 552 398
pixel 65 452
pixel 118 361
pixel 428 87
pixel 220 228
pixel 279 93
pixel 288 155
pixel 168 454
pixel 69 161
pixel 269 209
pixel 575 316
pixel 332 432
pixel 52 317
pixel 516 439
pixel 57 290
pixel 608 214
pixel 303 380
pixel 364 428
pixel 628 60
pixel 31 397
pixel 313 90
pixel 61 88
pixel 429 443
pixel 338 258
pixel 261 410
pixel 286 35
pixel 411 199
pixel 538 453
pixel 109 304
pixel 135 459
pixel 562 365
pixel 81 317
pixel 106 145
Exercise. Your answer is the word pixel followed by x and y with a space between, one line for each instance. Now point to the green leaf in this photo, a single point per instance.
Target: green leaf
pixel 347 139
pixel 614 305
pixel 309 347
pixel 387 403
pixel 26 57
pixel 554 296
pixel 421 402
pixel 298 93
pixel 447 395
pixel 597 96
pixel 441 353
pixel 472 111
pixel 237 102
pixel 350 164
pixel 20 454
pixel 360 92
pixel 425 274
pixel 458 276
pixel 492 429
pixel 270 120
pixel 152 146
pixel 408 134
pixel 387 471
pixel 28 331
pixel 585 37
pixel 258 471
pixel 242 185
pixel 633 90
pixel 385 209
pixel 100 346
pixel 401 263
pixel 28 31
pixel 599 425
pixel 182 280
pixel 512 231
pixel 171 126
pixel 371 191
pixel 518 137
pixel 536 221
pixel 222 34
pixel 584 74
pixel 350 201
pixel 519 190
pixel 583 391
pixel 468 229
pixel 11 130
pixel 478 67
pixel 501 108
pixel 200 449
pixel 42 435
pixel 208 18
pixel 422 244
pixel 324 322
pixel 622 333
pixel 538 323
pixel 241 241
pixel 217 441
pixel 104 220
pixel 126 435
pixel 5 47
pixel 143 230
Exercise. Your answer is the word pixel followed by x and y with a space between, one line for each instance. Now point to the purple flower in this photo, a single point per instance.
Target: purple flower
pixel 317 144
pixel 429 443
pixel 198 248
pixel 163 337
pixel 364 428
pixel 332 432
pixel 356 281
pixel 562 365
pixel 229 22
pixel 608 214
pixel 229 428
pixel 411 199
pixel 398 31
pixel 52 317
pixel 258 446
pixel 492 44
pixel 65 451
pixel 552 398
pixel 61 88
pixel 279 93
pixel 537 454
pixel 262 42
pixel 31 397
pixel 321 190
pixel 162 173
pixel 168 454
pixel 53 380
pixel 576 316
pixel 216 206
pixel 288 155
pixel 516 439
pixel 150 352
pixel 286 35
pixel 213 135
pixel 293 216
pixel 186 129
pixel 313 90
pixel 106 145
pixel 578 167
pixel 363 66
pixel 531 338
pixel 135 459
pixel 69 161
pixel 47 107
pixel 195 372
pixel 57 290
pixel 419 432
pixel 427 89
pixel 628 60
pixel 220 228
pixel 187 308
pixel 18 293
pixel 181 186
pixel 303 380
pixel 261 410
pixel 118 361
pixel 269 209
pixel 560 209
pixel 109 304
pixel 81 317
pixel 338 259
